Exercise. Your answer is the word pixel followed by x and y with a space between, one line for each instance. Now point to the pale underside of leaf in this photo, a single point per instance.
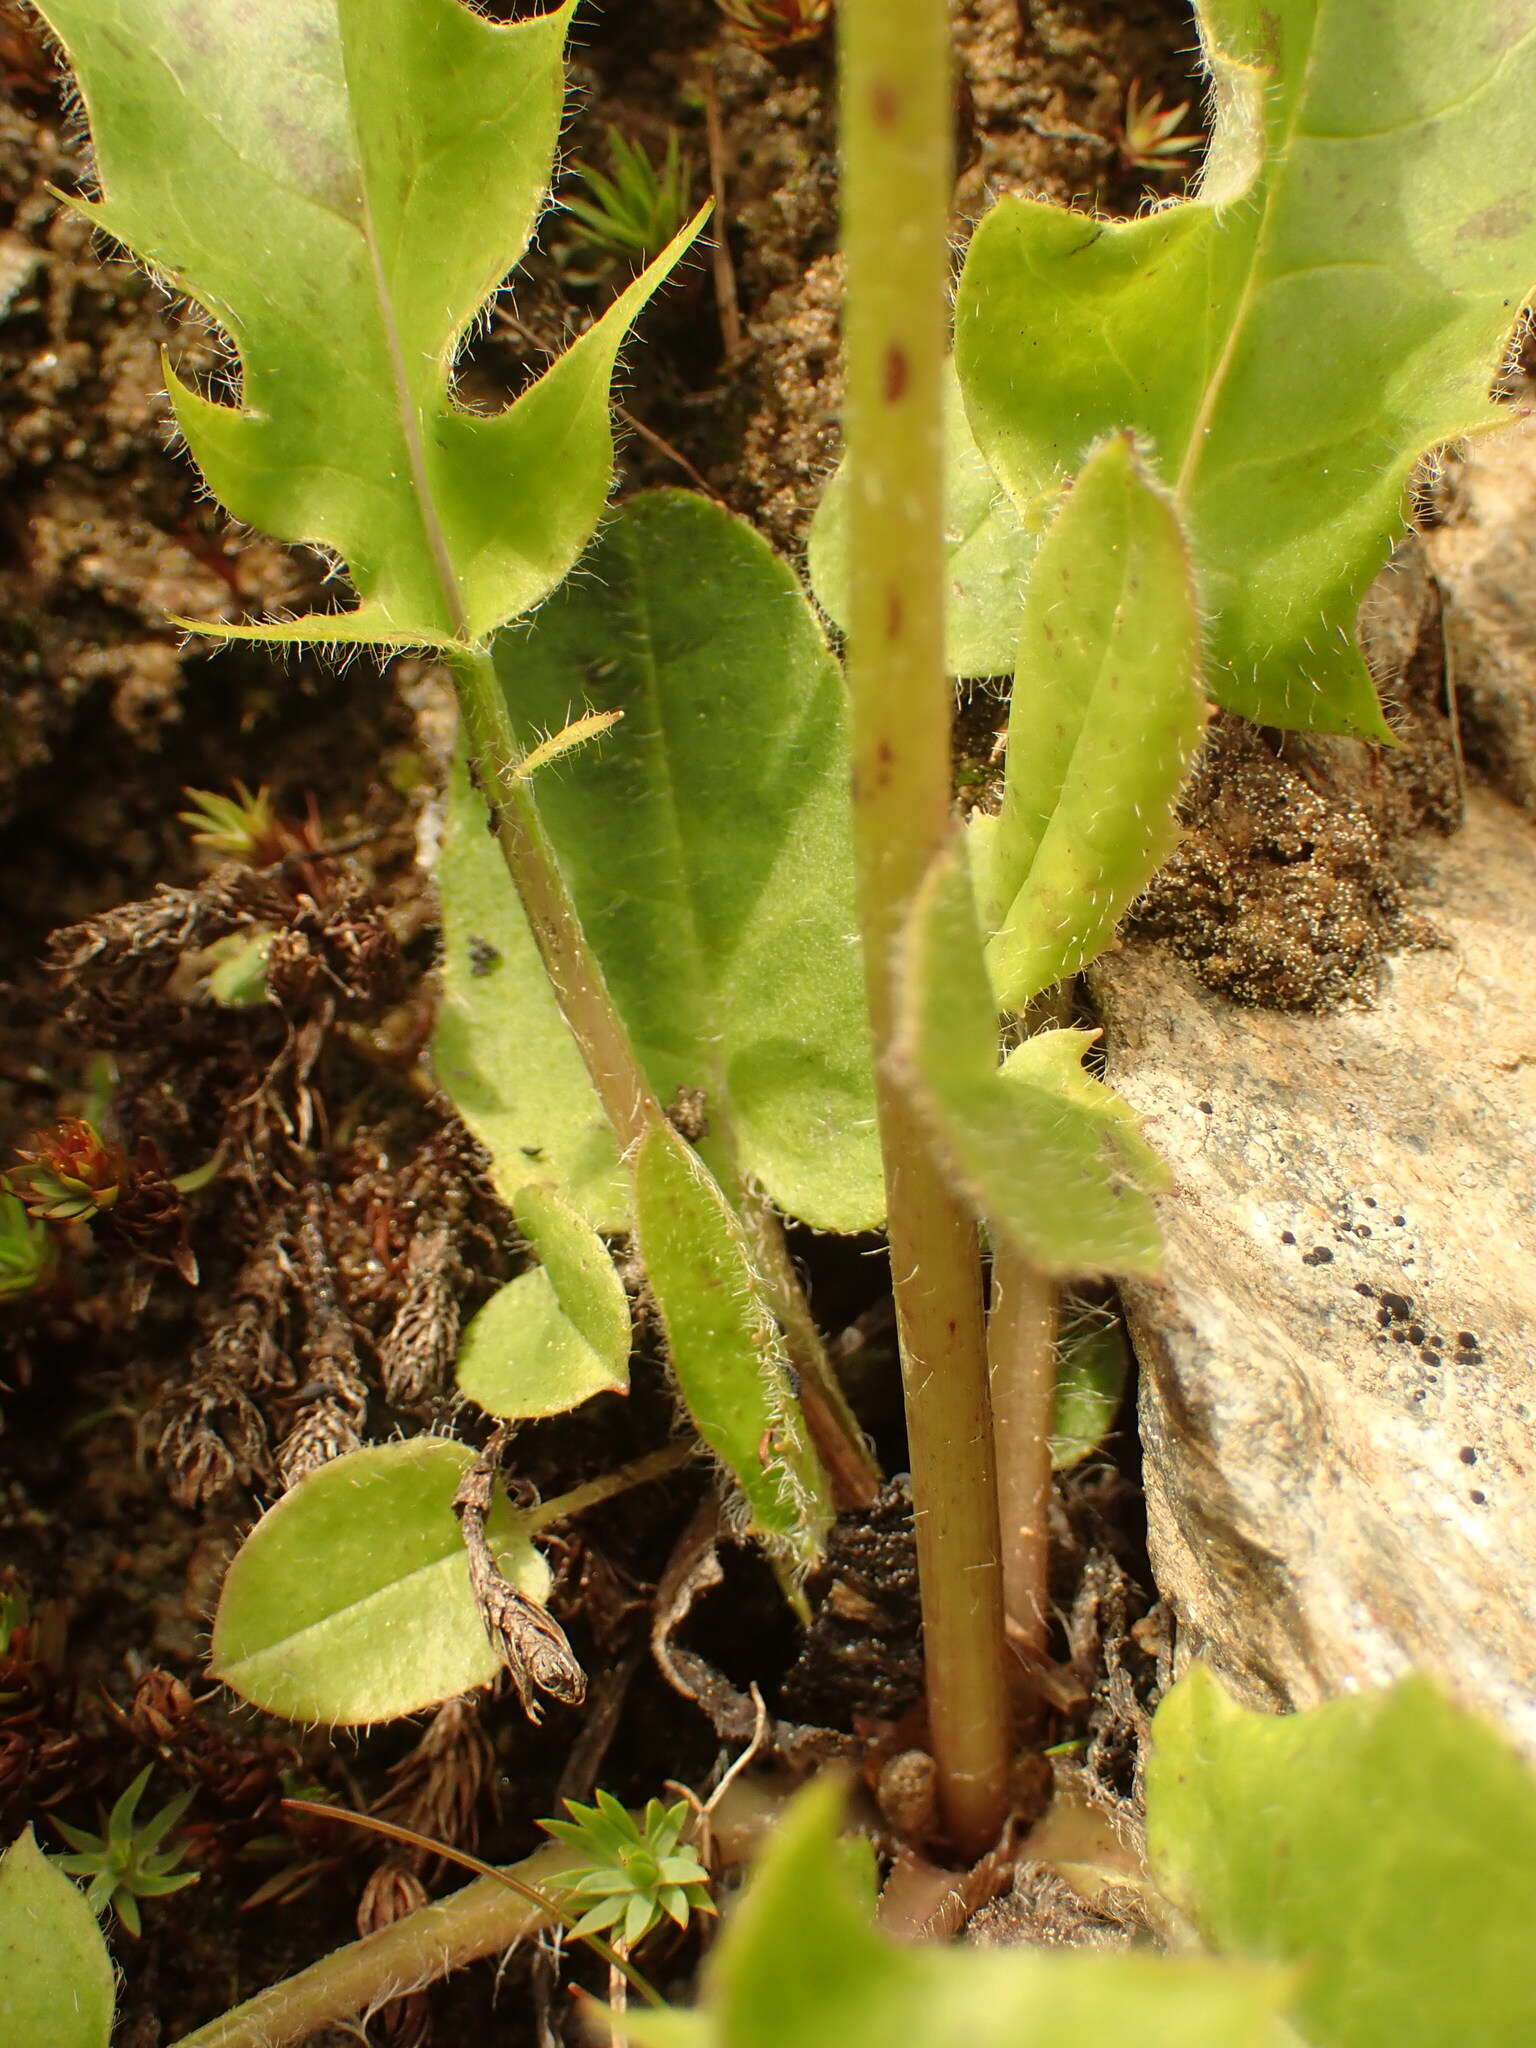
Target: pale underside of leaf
pixel 350 1601
pixel 1050 1157
pixel 726 1350
pixel 1105 719
pixel 1292 339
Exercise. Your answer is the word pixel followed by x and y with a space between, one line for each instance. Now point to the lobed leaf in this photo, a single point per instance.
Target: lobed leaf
pixel 706 839
pixel 342 184
pixel 725 1347
pixel 1051 1158
pixel 555 1336
pixel 501 1051
pixel 1385 1840
pixel 987 551
pixel 1333 301
pixel 56 1986
pixel 1105 718
pixel 800 1965
pixel 350 1601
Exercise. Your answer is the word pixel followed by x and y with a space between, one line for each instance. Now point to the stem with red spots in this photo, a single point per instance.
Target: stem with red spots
pixel 897 178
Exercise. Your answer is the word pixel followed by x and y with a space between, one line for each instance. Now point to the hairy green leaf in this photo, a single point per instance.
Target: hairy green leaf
pixel 342 184
pixel 501 1051
pixel 725 1348
pixel 1051 1158
pixel 350 1600
pixel 1092 1366
pixel 800 1965
pixel 1332 302
pixel 1385 1840
pixel 706 838
pixel 1106 715
pixel 56 1988
pixel 987 552
pixel 553 1337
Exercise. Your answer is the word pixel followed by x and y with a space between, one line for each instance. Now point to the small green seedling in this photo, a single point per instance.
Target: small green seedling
pixel 635 207
pixel 125 1862
pixel 633 1873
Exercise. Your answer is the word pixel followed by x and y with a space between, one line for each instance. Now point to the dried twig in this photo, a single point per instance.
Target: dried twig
pixel 526 1637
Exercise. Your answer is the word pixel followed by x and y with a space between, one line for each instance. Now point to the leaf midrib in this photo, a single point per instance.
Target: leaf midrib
pixel 1274 175
pixel 438 551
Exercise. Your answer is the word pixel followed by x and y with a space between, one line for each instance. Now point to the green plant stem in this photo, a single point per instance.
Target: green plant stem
pixel 482 1919
pixel 570 963
pixel 561 1506
pixel 834 1427
pixel 896 118
pixel 1021 1349
pixel 616 1074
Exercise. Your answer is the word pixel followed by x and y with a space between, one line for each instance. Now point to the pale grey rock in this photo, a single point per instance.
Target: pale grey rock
pixel 1339 1363
pixel 1484 560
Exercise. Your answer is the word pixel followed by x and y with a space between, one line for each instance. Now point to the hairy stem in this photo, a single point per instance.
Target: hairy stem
pixel 834 1427
pixel 570 963
pixel 482 1919
pixel 896 118
pixel 622 1088
pixel 1021 1346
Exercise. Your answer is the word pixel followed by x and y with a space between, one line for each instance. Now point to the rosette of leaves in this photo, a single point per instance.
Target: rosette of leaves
pixel 125 1862
pixel 633 1873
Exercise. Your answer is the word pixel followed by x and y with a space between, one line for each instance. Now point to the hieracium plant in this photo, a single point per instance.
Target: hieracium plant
pixel 731 958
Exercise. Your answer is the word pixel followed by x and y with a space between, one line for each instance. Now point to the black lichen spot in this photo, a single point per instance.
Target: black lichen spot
pixel 1207 1109
pixel 1318 1256
pixel 1364 1287
pixel 1398 1307
pixel 1362 1230
pixel 1415 1333
pixel 1468 1455
pixel 1287 1237
pixel 1478 1497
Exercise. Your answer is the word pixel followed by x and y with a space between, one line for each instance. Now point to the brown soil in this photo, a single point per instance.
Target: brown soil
pixel 144 1419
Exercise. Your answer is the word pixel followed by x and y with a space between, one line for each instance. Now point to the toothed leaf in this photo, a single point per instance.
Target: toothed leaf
pixel 1335 300
pixel 342 184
